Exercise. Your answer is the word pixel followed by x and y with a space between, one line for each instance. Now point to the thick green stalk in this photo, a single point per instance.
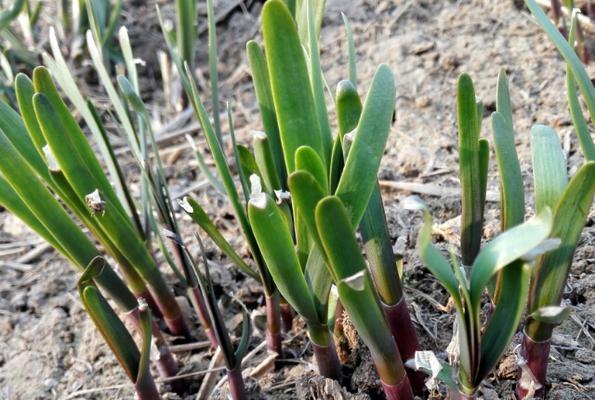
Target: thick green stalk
pixel 356 291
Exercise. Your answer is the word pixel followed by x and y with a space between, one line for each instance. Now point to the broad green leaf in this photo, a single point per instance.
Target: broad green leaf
pixel 264 96
pixel 434 260
pixel 361 166
pixel 14 129
pixel 24 91
pixel 338 238
pixel 349 109
pixel 319 280
pixel 504 321
pixel 512 196
pixel 379 250
pixel 507 247
pixel 199 216
pixel 578 120
pixel 276 244
pixel 265 160
pixel 249 165
pixel 10 200
pixel 316 80
pixel 118 225
pixel 569 55
pixel 294 106
pixel 571 214
pixel 503 104
pixel 470 170
pixel 42 204
pixel 55 113
pixel 110 326
pixel 306 192
pixel 308 160
pixel 549 167
pixel 355 288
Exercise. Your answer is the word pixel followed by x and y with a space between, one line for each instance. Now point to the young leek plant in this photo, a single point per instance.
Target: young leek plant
pixel 81 183
pixel 480 346
pixel 571 202
pixel 375 235
pixel 36 206
pixel 273 332
pixel 358 296
pixel 135 363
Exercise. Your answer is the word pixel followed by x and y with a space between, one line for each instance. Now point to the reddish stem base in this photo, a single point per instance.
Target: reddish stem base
pixel 536 355
pixel 166 364
pixel 273 316
pixel 198 302
pixel 236 384
pixel 403 331
pixel 146 389
pixel 400 391
pixel 327 361
pixel 286 317
pixel 177 326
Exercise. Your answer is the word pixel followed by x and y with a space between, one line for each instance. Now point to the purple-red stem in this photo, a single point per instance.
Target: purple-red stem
pixel 273 318
pixel 165 362
pixel 286 316
pixel 327 360
pixel 145 388
pixel 403 331
pixel 400 391
pixel 198 302
pixel 236 384
pixel 536 355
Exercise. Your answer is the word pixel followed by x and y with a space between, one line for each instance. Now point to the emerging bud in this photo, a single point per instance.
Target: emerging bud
pixel 257 197
pixel 185 205
pixel 95 203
